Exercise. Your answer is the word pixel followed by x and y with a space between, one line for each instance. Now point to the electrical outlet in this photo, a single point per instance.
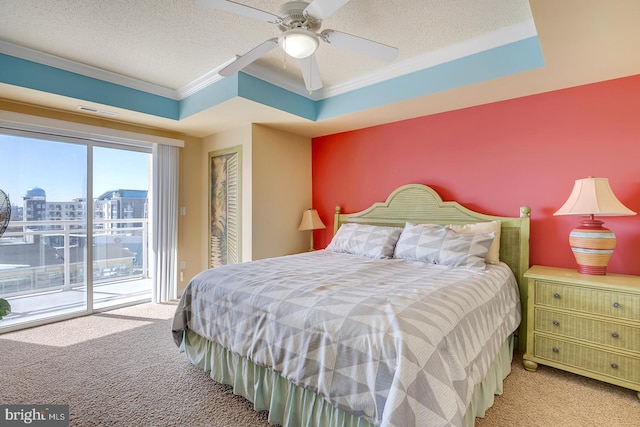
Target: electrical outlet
pixel 183 265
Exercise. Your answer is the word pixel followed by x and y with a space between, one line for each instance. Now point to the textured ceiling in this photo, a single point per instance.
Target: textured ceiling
pixel 172 44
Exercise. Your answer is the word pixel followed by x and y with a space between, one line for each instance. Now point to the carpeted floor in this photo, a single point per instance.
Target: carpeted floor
pixel 121 368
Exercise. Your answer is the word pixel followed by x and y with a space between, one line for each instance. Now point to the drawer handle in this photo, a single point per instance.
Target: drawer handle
pixel 556 350
pixel 614 365
pixel 616 305
pixel 556 295
pixel 615 335
pixel 556 323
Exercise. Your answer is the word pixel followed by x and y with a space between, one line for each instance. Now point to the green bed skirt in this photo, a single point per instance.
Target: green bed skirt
pixel 292 406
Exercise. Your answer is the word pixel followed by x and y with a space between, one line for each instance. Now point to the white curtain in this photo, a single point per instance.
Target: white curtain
pixel 164 222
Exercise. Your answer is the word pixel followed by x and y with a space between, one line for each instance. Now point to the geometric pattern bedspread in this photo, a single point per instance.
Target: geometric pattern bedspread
pixel 398 343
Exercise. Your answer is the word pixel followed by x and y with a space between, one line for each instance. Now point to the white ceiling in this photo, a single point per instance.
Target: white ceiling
pixel 170 45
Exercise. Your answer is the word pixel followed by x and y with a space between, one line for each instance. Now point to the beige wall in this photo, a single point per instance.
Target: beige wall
pixel 276 188
pixel 85 119
pixel 281 192
pixel 192 180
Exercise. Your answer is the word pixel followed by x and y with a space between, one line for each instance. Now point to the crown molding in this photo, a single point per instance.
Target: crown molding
pixel 459 50
pixel 488 41
pixel 279 79
pixel 84 70
pixel 203 81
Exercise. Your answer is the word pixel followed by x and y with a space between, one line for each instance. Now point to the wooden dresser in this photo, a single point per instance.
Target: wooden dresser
pixel 585 324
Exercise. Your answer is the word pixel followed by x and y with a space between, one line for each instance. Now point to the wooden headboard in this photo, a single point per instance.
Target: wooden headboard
pixel 420 204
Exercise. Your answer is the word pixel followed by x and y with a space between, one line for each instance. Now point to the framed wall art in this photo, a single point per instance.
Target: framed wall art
pixel 224 206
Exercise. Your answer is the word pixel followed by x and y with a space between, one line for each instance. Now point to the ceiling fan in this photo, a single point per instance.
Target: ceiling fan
pixel 299 23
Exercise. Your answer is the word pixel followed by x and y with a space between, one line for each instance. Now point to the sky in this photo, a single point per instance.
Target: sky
pixel 60 169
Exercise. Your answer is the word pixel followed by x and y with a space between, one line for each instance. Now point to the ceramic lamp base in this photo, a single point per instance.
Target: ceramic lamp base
pixel 592 245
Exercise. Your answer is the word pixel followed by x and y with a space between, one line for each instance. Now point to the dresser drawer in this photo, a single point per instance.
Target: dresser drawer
pixel 590 359
pixel 588 300
pixel 586 329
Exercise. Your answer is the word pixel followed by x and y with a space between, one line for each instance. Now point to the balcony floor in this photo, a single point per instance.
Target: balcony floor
pixel 38 308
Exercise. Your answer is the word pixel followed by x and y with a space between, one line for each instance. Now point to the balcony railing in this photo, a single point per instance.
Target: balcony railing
pixel 37 256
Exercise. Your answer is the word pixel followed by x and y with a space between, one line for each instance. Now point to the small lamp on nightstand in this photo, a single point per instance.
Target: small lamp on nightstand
pixel 311 221
pixel 591 243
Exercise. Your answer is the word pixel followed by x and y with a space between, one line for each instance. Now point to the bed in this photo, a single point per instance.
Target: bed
pixel 337 337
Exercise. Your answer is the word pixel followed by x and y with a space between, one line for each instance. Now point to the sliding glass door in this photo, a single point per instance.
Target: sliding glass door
pixel 120 227
pixel 43 252
pixel 78 234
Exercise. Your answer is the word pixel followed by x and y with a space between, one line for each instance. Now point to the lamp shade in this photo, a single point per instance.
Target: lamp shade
pixel 298 42
pixel 591 243
pixel 593 196
pixel 310 221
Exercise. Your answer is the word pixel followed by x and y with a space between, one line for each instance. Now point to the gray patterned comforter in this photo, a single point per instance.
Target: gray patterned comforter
pixel 398 343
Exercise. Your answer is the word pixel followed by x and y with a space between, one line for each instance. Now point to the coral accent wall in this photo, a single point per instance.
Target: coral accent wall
pixel 497 157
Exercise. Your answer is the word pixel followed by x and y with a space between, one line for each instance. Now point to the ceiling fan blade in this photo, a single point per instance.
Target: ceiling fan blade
pixel 321 9
pixel 310 73
pixel 241 9
pixel 248 57
pixel 360 45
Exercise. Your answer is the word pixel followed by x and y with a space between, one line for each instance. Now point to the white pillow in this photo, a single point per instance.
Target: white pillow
pixel 493 256
pixel 465 250
pixel 367 240
pixel 420 242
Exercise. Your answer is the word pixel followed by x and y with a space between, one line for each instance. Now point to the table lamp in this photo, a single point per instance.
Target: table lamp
pixel 311 221
pixel 591 243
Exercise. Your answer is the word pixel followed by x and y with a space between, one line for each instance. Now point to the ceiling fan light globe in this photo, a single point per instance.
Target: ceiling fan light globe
pixel 298 43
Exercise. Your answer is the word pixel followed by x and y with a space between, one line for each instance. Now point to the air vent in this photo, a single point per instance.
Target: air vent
pixel 96 111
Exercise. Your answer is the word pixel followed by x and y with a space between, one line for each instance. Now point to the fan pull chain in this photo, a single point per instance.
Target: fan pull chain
pixel 284 51
pixel 310 75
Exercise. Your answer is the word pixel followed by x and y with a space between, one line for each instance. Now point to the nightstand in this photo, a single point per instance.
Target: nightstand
pixel 585 324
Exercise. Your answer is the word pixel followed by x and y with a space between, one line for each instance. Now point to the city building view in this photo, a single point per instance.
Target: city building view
pixel 44 250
